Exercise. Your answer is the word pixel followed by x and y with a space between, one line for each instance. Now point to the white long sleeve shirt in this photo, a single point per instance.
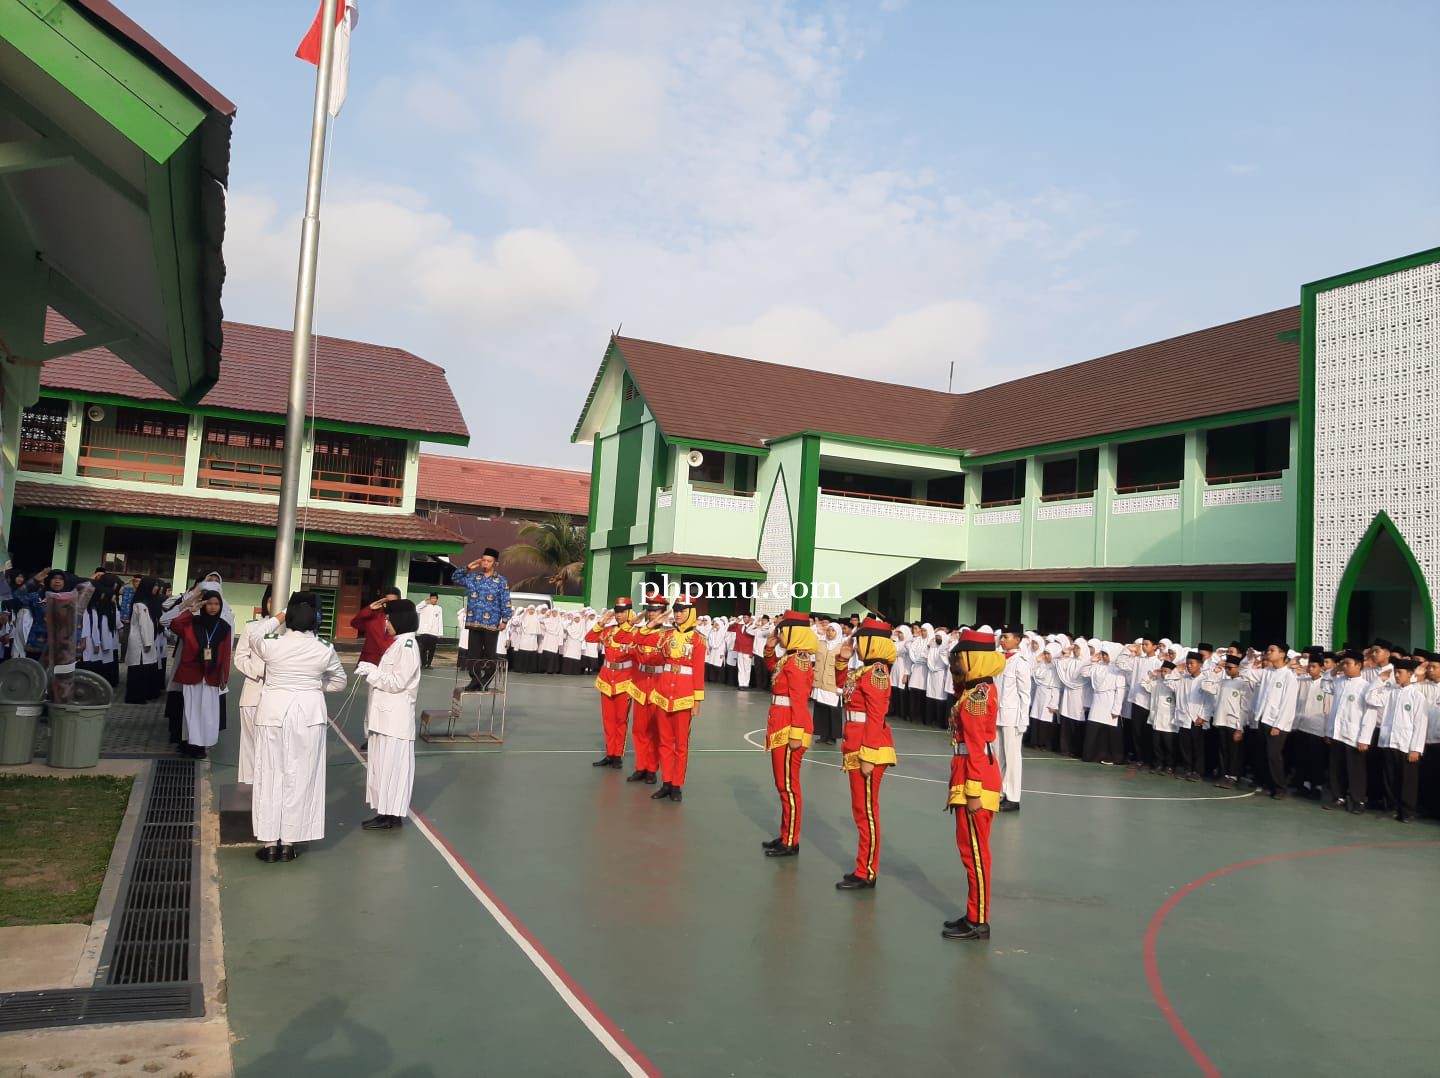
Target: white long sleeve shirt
pixel 1275 695
pixel 1013 687
pixel 1403 717
pixel 1352 720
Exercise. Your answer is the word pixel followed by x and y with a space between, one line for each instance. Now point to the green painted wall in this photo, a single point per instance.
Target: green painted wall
pixel 1066 541
pixel 855 529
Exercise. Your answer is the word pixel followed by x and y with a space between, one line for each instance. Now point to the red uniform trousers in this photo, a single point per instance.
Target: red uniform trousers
pixel 786 763
pixel 674 729
pixel 615 713
pixel 645 720
pixel 972 835
pixel 865 805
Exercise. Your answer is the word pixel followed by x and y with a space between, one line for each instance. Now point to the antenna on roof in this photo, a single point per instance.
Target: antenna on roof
pixel 617 330
pixel 950 386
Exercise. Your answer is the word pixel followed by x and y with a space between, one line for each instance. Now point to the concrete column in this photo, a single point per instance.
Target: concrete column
pixel 74 431
pixel 194 443
pixel 1029 608
pixel 62 552
pixel 402 570
pixel 1192 494
pixel 1189 617
pixel 180 578
pixel 411 478
pixel 1104 615
pixel 1104 495
pixel 1029 504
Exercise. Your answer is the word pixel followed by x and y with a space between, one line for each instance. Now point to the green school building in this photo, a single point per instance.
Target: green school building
pixel 1257 479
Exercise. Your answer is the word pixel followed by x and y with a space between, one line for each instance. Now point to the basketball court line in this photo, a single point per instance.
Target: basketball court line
pixel 600 1025
pixel 1023 789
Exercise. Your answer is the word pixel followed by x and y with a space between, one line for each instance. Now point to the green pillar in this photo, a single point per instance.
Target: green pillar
pixel 1189 618
pixel 1029 608
pixel 411 479
pixel 1104 615
pixel 1290 620
pixel 1192 494
pixel 62 551
pixel 1104 495
pixel 1029 504
pixel 402 570
pixel 180 578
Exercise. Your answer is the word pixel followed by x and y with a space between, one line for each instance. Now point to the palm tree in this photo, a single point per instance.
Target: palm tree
pixel 557 543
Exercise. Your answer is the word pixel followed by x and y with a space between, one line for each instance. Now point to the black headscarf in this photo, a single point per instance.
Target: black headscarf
pixel 209 628
pixel 404 618
pixel 71 581
pixel 151 595
pixel 267 600
pixel 302 612
pixel 103 603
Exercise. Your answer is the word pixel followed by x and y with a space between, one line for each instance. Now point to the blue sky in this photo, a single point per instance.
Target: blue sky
pixel 871 188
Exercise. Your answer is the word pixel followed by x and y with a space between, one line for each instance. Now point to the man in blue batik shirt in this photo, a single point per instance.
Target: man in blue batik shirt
pixel 487 611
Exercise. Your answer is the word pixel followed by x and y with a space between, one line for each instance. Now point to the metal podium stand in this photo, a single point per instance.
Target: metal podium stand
pixel 486 724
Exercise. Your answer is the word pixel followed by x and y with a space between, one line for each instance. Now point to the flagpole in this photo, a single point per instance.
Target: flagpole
pixel 304 315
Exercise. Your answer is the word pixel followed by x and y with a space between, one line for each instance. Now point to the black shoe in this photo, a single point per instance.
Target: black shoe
pixel 852 882
pixel 1009 806
pixel 651 778
pixel 784 851
pixel 617 762
pixel 967 931
pixel 1191 776
pixel 676 793
pixel 268 854
pixel 662 793
pixel 1279 795
pixel 957 922
pixel 636 776
pixel 376 823
pixel 604 761
pixel 1401 818
pixel 289 853
pixel 1357 808
pixel 474 686
pixel 364 745
pixel 773 844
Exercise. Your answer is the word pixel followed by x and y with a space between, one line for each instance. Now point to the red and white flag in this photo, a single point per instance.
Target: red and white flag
pixel 347 17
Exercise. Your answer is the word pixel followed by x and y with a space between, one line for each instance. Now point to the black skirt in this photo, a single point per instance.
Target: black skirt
pixel 143 683
pixel 109 671
pixel 570 666
pixel 175 715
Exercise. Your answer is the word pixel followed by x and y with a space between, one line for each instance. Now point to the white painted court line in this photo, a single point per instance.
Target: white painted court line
pixel 600 1025
pixel 1024 789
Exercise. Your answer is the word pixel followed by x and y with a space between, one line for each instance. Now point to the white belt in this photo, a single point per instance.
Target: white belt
pixel 780 701
pixel 961 750
pixel 854 716
pixel 619 666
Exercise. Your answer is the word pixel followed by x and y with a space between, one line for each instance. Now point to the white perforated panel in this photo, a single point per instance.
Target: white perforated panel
pixel 1065 510
pixel 664 501
pixel 777 553
pixel 724 503
pixel 864 507
pixel 1377 422
pixel 997 516
pixel 1154 503
pixel 1271 492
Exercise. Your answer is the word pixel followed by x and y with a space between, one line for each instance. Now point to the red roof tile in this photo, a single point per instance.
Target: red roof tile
pixel 463 481
pixel 395 527
pixel 350 379
pixel 1166 382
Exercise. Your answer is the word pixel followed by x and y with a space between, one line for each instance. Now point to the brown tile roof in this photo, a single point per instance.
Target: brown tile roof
pixel 701 562
pixel 394 527
pixel 1125 574
pixel 685 389
pixel 463 481
pixel 350 380
pixel 1165 382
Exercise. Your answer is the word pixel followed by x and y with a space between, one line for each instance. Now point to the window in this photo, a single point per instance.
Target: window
pixel 1002 484
pixel 325 578
pixel 1154 464
pixel 1247 451
pixel 139 423
pixel 233 434
pixel 876 486
pixel 357 468
pixel 42 436
pixel 711 472
pixel 1072 477
pixel 949 489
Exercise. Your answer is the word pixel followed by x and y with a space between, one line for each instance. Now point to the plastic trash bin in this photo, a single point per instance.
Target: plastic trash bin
pixel 17 732
pixel 75 733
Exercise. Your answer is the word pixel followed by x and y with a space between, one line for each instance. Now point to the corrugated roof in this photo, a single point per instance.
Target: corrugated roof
pixel 399 527
pixel 350 379
pixel 1169 381
pixel 1253 572
pixel 464 481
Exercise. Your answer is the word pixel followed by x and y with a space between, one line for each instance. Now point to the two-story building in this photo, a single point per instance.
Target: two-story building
pixel 1163 489
pixel 114 473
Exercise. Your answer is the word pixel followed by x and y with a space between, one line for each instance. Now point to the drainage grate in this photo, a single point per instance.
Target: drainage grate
pixel 82 1006
pixel 152 933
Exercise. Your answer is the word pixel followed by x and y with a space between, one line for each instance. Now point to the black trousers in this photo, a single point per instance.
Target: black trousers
pixel 829 723
pixel 1349 775
pixel 479 657
pixel 1274 746
pixel 1072 736
pixel 1232 752
pixel 1402 781
pixel 1305 756
pixel 1164 746
pixel 1140 733
pixel 1045 735
pixel 427 649
pixel 918 712
pixel 1192 748
pixel 1103 743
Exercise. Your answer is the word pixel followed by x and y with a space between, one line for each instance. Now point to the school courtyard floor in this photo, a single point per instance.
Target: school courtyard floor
pixel 542 917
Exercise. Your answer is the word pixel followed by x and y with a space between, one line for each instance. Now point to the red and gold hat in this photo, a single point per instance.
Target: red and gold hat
pixel 622 603
pixel 970 640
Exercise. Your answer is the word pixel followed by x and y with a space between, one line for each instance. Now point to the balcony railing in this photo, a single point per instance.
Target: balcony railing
pixel 1001 502
pixel 707 489
pixel 1252 477
pixel 133 465
pixel 47 461
pixel 1169 484
pixel 1067 496
pixel 330 486
pixel 891 498
pixel 240 475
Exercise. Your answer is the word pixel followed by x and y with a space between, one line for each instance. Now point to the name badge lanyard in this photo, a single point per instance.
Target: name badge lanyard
pixel 208 653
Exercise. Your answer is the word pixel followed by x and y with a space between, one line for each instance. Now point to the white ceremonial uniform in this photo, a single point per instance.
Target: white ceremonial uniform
pixel 1404 721
pixel 140 646
pixel 1012 685
pixel 390 726
pixel 432 619
pixel 288 803
pixel 1108 694
pixel 249 699
pixel 1352 720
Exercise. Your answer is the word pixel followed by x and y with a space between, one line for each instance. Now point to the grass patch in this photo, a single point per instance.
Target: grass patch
pixel 56 836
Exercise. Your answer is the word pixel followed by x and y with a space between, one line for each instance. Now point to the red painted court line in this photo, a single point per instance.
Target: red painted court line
pixel 1152 933
pixel 630 1057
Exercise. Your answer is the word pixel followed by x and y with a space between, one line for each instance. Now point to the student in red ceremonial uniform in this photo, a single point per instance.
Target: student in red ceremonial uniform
pixel 617 667
pixel 868 747
pixel 974 774
pixel 679 689
pixel 789 728
pixel 645 637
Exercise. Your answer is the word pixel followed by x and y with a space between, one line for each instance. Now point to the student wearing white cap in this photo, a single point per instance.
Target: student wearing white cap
pixel 1013 685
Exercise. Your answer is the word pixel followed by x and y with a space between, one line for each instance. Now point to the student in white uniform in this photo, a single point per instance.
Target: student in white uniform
pixel 1404 724
pixel 572 649
pixel 298 668
pixel 589 649
pixel 1045 700
pixel 715 651
pixel 552 636
pixel 250 691
pixel 939 682
pixel 1013 685
pixel 920 674
pixel 1072 671
pixel 1162 717
pixel 432 628
pixel 1276 691
pixel 1349 729
pixel 390 720
pixel 1306 745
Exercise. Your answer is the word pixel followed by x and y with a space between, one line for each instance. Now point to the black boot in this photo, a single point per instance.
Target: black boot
pixel 773 844
pixel 636 776
pixel 604 761
pixel 676 793
pixel 376 823
pixel 662 793
pixel 289 853
pixel 967 930
pixel 852 882
pixel 784 851
pixel 651 778
pixel 269 854
pixel 617 762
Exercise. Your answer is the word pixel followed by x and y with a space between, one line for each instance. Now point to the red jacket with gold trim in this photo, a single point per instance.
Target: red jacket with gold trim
pixel 645 648
pixel 973 769
pixel 867 693
pixel 619 659
pixel 792 676
pixel 681 684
